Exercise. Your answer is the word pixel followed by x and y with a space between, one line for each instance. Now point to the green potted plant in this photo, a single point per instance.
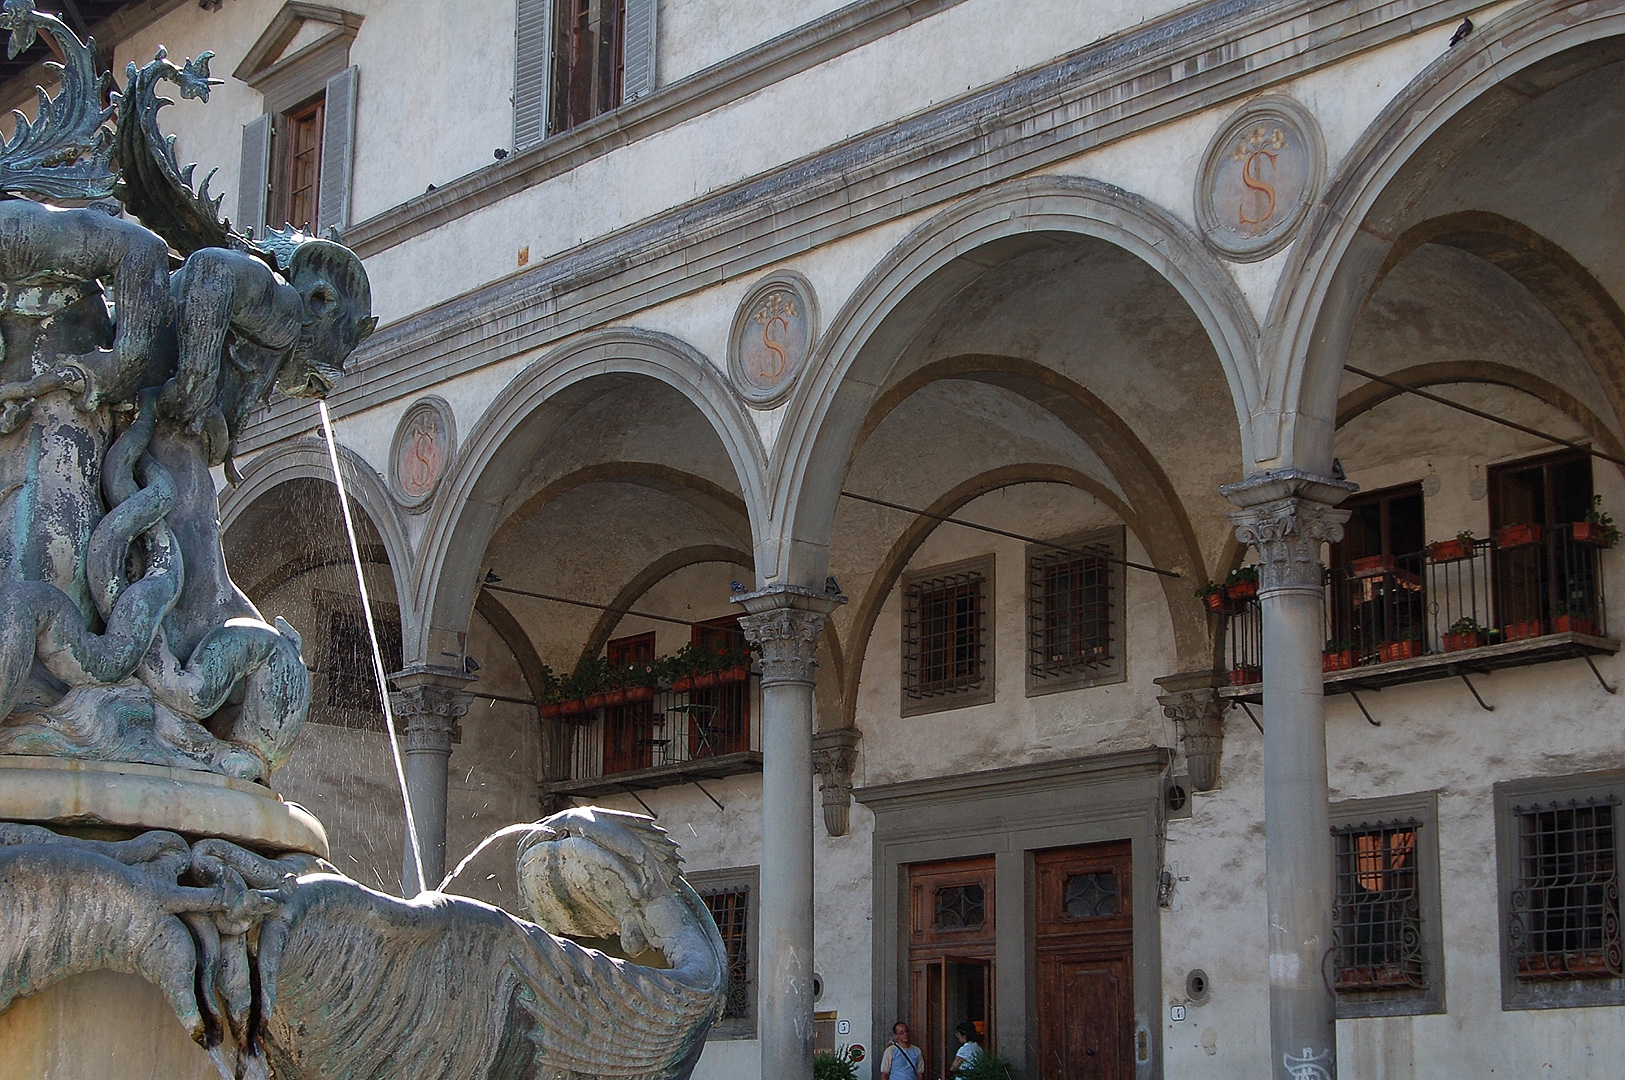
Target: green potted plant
pixel 686 665
pixel 1211 594
pixel 1567 621
pixel 1244 674
pixel 989 1065
pixel 641 680
pixel 1522 629
pixel 1464 633
pixel 1453 550
pixel 1598 528
pixel 1407 646
pixel 1241 584
pixel 550 696
pixel 593 683
pixel 1338 655
pixel 835 1065
pixel 735 664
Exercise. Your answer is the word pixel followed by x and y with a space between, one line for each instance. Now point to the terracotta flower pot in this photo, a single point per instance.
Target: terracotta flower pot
pixel 1458 642
pixel 733 675
pixel 1573 624
pixel 705 680
pixel 595 701
pixel 635 694
pixel 1511 536
pixel 1245 674
pixel 572 707
pixel 1522 629
pixel 1450 550
pixel 553 710
pixel 1241 590
pixel 1398 650
pixel 1589 534
pixel 682 684
pixel 1339 660
pixel 1214 600
pixel 614 697
pixel 1372 565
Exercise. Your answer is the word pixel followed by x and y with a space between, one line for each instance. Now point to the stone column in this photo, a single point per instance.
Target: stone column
pixel 427 706
pixel 1287 516
pixel 784 622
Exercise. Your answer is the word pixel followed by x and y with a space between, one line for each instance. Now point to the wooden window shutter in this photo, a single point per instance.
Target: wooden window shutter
pixel 338 142
pixel 533 53
pixel 638 58
pixel 253 178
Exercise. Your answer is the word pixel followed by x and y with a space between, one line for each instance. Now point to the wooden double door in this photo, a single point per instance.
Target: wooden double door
pixel 1084 952
pixel 1082 959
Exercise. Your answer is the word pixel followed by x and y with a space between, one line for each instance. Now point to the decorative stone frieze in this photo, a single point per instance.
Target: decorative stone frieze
pixel 427 715
pixel 835 755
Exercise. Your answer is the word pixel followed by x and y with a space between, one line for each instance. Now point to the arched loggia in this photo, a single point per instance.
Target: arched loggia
pixel 308 459
pixel 936 260
pixel 473 499
pixel 1352 234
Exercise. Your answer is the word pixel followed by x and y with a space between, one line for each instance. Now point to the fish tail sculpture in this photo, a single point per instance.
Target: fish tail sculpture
pixel 344 983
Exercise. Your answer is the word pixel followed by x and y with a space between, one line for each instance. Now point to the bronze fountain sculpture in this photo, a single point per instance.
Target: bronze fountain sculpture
pixel 125 645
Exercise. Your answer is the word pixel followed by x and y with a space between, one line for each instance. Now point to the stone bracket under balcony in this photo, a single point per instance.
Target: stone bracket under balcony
pixel 1546 649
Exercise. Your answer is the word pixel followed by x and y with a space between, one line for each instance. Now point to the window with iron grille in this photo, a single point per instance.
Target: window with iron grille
pixel 1559 855
pixel 1075 613
pixel 1387 955
pixel 947 643
pixel 351 698
pixel 730 896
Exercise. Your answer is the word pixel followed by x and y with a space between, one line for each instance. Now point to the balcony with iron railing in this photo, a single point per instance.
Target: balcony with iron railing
pixel 659 736
pixel 1458 608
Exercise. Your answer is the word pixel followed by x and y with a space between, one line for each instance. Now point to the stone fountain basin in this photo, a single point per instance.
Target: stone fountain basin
pixel 118 795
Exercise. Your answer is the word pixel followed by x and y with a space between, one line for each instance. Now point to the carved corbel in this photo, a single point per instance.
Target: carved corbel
pixel 835 755
pixel 1194 705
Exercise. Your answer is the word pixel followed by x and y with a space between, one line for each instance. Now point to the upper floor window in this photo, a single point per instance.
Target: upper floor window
pixel 947 639
pixel 1075 613
pixel 297 156
pixel 351 698
pixel 577 59
pixel 1559 860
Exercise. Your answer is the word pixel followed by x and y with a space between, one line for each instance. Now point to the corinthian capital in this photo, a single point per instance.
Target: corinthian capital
pixel 784 623
pixel 428 716
pixel 1287 516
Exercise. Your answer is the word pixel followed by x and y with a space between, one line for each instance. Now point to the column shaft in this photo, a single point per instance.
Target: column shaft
pixel 427 709
pixel 784 624
pixel 1297 846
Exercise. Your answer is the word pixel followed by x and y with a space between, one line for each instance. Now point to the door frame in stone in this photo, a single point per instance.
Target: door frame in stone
pixel 1013 812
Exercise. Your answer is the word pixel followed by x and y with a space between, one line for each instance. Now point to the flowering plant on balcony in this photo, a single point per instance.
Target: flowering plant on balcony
pixel 1464 633
pixel 1459 547
pixel 1598 528
pixel 1242 583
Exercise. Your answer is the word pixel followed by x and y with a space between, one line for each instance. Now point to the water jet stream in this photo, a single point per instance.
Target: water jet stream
pixel 506 830
pixel 377 651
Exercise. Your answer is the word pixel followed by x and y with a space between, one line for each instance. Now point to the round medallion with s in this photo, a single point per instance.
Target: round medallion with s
pixel 1259 177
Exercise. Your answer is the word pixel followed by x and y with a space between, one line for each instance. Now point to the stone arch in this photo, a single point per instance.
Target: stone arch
pixel 1166 531
pixel 307 458
pixel 1195 653
pixel 470 503
pixel 710 497
pixel 1349 236
pixel 651 575
pixel 933 262
pixel 1368 396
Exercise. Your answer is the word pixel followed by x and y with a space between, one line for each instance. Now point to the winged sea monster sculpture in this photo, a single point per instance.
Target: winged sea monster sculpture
pixel 123 639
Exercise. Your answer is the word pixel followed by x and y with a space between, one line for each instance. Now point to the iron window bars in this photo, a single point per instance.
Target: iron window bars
pixel 1564 920
pixel 730 908
pixel 1069 612
pixel 944 635
pixel 1377 914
